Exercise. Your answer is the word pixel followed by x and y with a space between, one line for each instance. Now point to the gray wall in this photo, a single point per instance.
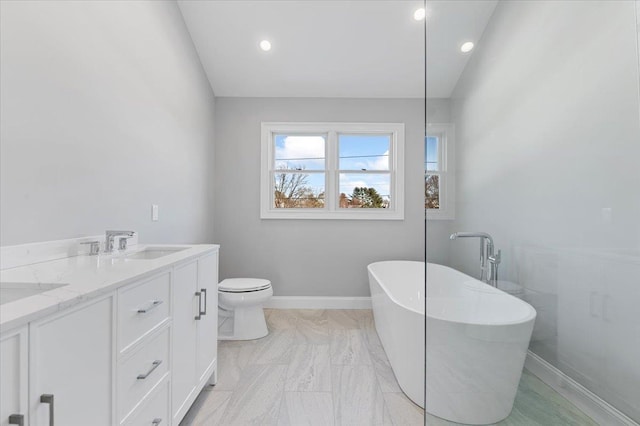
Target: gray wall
pixel 105 109
pixel 308 257
pixel 548 151
pixel 438 231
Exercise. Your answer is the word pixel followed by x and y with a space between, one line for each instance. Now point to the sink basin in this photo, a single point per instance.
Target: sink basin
pixel 10 292
pixel 154 252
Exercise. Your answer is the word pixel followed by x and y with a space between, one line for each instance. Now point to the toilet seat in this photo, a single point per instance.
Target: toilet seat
pixel 243 285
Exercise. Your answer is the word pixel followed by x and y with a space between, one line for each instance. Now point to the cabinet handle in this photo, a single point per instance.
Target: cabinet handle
pixel 156 422
pixel 155 365
pixel 154 305
pixel 47 398
pixel 16 419
pixel 204 291
pixel 199 316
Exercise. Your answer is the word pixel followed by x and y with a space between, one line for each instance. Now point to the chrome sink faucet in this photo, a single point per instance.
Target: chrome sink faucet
pixel 488 274
pixel 110 235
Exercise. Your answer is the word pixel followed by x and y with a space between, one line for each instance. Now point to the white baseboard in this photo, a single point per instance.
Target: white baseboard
pixel 590 403
pixel 318 302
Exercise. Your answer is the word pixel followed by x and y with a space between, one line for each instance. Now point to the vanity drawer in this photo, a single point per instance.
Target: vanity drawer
pixel 154 410
pixel 141 371
pixel 142 307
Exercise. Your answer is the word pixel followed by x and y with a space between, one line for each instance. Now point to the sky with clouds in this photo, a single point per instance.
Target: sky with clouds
pixel 356 152
pixel 431 153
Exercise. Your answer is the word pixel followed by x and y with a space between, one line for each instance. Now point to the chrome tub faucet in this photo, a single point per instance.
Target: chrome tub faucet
pixel 488 274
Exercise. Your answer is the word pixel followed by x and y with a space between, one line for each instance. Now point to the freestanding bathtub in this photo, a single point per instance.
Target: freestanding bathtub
pixel 477 339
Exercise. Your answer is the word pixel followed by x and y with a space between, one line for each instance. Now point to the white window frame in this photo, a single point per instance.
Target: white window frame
pixel 331 209
pixel 446 162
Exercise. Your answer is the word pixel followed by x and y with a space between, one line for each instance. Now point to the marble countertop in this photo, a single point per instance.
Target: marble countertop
pixel 85 277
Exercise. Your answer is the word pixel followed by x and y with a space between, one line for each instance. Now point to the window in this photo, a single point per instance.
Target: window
pixel 438 172
pixel 332 171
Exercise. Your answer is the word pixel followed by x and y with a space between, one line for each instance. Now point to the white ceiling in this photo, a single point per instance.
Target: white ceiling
pixel 321 48
pixel 449 24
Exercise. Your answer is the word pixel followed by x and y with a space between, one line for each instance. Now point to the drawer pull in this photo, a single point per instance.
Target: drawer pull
pixel 154 305
pixel 156 422
pixel 16 419
pixel 48 399
pixel 153 367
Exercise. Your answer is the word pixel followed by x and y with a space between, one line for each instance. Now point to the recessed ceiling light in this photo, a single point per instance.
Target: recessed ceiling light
pixel 265 45
pixel 420 14
pixel 466 47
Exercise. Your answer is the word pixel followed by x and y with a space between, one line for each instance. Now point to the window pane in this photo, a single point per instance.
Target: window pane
pixel 299 152
pixel 431 191
pixel 360 190
pixel 298 190
pixel 431 153
pixel 364 152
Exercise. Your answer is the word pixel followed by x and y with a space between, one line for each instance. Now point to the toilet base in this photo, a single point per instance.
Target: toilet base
pixel 245 323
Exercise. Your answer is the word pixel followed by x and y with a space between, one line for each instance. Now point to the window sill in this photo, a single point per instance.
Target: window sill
pixel 337 215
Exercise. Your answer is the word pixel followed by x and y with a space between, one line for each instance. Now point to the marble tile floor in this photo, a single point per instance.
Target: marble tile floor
pixel 327 367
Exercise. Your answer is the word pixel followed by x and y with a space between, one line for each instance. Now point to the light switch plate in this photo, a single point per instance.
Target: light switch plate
pixel 154 212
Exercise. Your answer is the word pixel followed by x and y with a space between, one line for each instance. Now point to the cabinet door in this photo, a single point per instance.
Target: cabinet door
pixel 208 324
pixel 71 357
pixel 185 310
pixel 13 376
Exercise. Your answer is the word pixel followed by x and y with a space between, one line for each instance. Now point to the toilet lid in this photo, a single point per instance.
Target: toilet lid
pixel 239 285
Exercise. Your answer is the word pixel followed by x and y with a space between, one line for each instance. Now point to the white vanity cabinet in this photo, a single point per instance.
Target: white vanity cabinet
pixel 195 328
pixel 71 366
pixel 136 353
pixel 14 386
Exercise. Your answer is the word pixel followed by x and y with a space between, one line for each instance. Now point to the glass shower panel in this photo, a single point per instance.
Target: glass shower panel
pixel 547 154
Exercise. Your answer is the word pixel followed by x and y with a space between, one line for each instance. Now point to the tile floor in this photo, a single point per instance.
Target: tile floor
pixel 327 367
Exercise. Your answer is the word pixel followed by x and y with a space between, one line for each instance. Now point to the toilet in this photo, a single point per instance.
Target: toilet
pixel 240 313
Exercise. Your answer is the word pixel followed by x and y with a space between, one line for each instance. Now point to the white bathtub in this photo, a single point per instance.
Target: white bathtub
pixel 477 339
